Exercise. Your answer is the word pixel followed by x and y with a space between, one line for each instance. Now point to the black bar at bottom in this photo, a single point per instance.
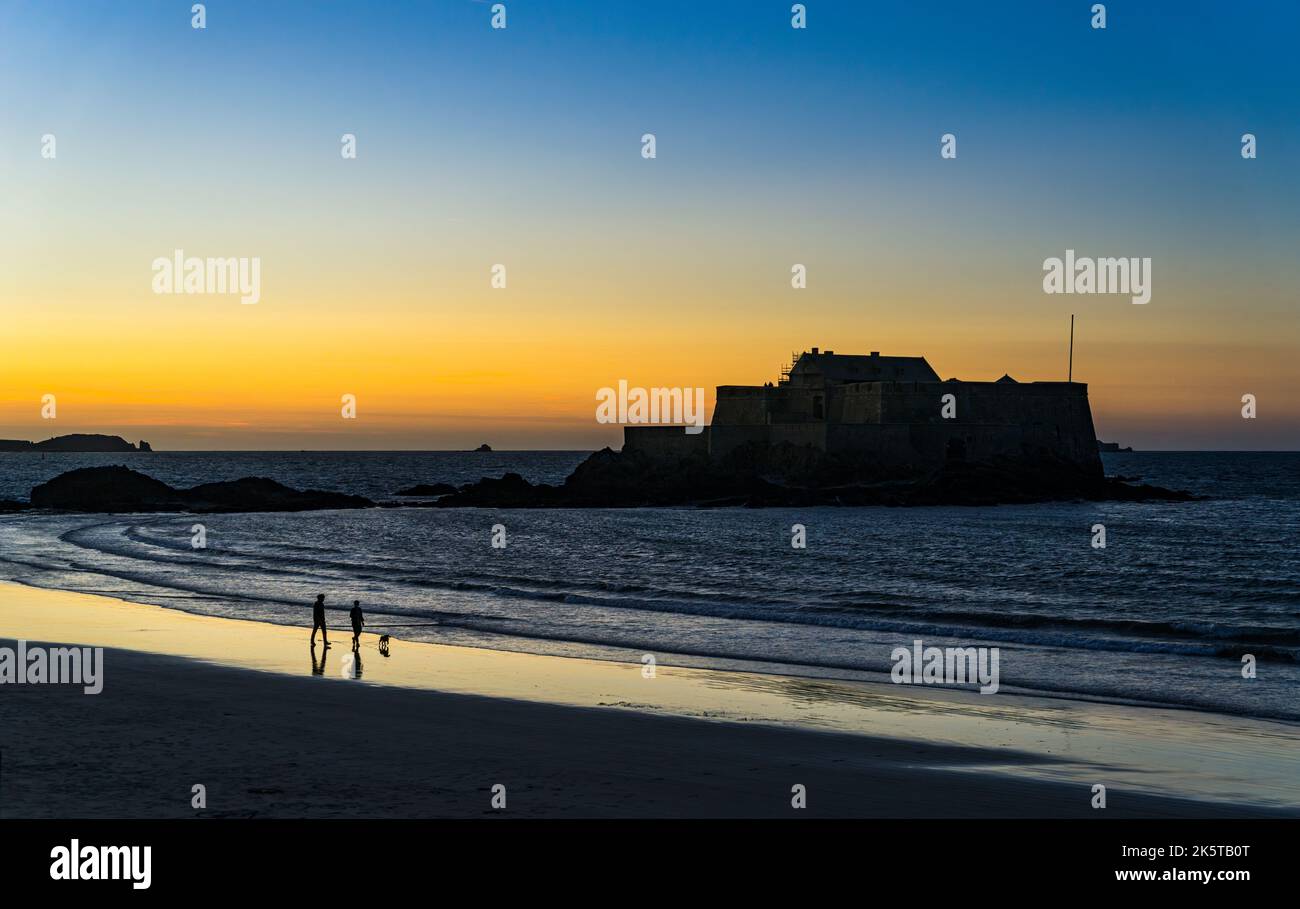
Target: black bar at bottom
pixel 246 857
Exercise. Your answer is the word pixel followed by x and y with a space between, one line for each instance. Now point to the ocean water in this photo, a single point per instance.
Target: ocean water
pixel 1163 614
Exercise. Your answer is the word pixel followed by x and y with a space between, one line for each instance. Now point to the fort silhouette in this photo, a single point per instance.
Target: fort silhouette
pixel 893 413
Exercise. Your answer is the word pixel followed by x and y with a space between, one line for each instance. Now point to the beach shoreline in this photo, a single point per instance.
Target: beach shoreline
pixel 427 731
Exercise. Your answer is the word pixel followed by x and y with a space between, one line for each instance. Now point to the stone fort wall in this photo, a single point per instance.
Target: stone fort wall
pixel 897 425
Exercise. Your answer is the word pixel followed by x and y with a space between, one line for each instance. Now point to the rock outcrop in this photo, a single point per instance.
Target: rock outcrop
pixel 120 489
pixel 786 475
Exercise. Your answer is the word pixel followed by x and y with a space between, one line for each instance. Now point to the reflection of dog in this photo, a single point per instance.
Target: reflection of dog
pixel 383 644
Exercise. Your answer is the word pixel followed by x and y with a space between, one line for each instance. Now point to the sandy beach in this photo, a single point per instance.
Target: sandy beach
pixel 429 730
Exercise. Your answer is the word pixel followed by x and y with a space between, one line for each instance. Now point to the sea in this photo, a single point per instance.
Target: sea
pixel 1165 613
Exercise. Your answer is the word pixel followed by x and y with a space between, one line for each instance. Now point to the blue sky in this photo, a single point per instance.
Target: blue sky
pixel 819 146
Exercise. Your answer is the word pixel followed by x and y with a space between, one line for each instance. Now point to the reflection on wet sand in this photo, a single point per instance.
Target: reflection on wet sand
pixel 352 665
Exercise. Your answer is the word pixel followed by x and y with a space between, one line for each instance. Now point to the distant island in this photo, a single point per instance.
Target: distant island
pixel 78 442
pixel 484 447
pixel 1111 446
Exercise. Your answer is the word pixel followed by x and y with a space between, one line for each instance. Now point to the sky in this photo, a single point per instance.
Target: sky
pixel 522 147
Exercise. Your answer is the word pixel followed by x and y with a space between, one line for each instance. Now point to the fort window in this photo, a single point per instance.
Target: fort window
pixel 818 409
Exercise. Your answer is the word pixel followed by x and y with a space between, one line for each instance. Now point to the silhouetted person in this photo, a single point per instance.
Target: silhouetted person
pixel 358 620
pixel 318 620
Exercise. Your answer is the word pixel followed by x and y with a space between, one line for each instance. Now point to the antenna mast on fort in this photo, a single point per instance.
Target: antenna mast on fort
pixel 1070 376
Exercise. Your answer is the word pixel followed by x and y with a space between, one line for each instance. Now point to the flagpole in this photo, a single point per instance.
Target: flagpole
pixel 1070 378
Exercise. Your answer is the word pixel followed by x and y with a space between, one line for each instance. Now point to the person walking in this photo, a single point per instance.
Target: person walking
pixel 358 621
pixel 318 620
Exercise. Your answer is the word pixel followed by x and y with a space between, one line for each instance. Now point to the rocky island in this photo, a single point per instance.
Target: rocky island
pixel 77 442
pixel 847 430
pixel 786 476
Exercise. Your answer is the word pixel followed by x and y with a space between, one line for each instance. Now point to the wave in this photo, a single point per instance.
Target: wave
pixel 209 576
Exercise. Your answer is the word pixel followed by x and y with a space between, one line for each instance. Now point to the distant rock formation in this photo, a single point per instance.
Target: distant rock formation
pixel 1110 446
pixel 755 476
pixel 78 442
pixel 484 447
pixel 427 489
pixel 120 489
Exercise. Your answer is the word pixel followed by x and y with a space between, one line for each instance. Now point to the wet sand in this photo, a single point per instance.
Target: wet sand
pixel 429 730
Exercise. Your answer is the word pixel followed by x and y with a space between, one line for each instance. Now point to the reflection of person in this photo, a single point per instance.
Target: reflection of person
pixel 358 620
pixel 318 620
pixel 318 668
